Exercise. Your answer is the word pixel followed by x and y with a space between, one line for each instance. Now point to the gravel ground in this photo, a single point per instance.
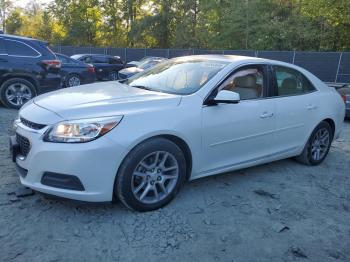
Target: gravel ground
pixel 281 211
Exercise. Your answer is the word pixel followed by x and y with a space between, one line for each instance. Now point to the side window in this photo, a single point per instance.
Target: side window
pixel 291 82
pixel 17 48
pixel 100 60
pixel 87 59
pixel 248 82
pixel 114 61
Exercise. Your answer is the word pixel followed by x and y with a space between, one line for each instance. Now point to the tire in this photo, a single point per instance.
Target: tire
pixel 20 89
pixel 309 154
pixel 73 80
pixel 130 188
pixel 113 76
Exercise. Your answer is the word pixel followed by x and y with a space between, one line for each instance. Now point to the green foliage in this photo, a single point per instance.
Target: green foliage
pixel 212 24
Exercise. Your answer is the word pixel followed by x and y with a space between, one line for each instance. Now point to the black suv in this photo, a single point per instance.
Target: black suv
pixel 27 68
pixel 106 66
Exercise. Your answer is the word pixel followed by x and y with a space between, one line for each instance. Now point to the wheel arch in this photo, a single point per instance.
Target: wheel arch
pixel 331 122
pixel 25 77
pixel 180 142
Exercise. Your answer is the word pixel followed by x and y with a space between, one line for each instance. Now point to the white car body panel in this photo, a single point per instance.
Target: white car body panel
pixel 221 138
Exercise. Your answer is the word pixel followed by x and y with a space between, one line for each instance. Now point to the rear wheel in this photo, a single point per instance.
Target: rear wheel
pixel 113 75
pixel 73 80
pixel 318 145
pixel 16 92
pixel 151 175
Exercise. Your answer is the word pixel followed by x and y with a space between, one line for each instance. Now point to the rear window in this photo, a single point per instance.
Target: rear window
pixel 18 48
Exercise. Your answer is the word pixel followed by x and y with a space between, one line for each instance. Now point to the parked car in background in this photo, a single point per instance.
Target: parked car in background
pixel 106 66
pixel 344 91
pixel 183 119
pixel 136 63
pixel 146 64
pixel 74 72
pixel 27 68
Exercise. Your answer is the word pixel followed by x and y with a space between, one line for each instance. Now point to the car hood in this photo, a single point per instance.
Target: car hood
pixel 104 99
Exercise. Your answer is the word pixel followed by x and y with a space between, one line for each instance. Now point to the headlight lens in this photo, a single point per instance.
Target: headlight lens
pixel 81 131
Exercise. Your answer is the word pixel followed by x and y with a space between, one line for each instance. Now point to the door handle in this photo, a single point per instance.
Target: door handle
pixel 311 107
pixel 266 115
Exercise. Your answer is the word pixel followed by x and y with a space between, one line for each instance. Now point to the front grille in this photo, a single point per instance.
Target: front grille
pixel 24 144
pixel 31 124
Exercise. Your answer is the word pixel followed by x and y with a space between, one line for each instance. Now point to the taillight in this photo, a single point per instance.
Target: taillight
pixel 344 98
pixel 91 69
pixel 52 63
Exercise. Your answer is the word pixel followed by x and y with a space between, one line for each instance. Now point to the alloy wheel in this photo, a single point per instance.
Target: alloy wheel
pixel 73 81
pixel 320 144
pixel 18 94
pixel 155 177
pixel 113 76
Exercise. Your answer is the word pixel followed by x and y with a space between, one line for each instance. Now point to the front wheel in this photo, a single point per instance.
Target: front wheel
pixel 16 92
pixel 151 175
pixel 318 145
pixel 113 76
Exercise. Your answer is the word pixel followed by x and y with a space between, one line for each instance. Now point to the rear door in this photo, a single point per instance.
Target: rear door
pixel 296 109
pixel 103 68
pixel 237 134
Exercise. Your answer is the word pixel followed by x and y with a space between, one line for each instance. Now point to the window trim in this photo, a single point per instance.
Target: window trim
pixel 274 84
pixel 267 80
pixel 13 40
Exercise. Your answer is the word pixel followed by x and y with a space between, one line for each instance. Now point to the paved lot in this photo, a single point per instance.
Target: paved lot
pixel 281 211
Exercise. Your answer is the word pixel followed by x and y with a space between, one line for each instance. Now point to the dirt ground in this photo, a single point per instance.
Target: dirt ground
pixel 282 211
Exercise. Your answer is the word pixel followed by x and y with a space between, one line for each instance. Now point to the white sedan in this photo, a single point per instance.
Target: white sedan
pixel 186 118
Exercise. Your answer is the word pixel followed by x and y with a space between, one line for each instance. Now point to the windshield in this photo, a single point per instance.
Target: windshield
pixel 178 76
pixel 76 57
pixel 148 64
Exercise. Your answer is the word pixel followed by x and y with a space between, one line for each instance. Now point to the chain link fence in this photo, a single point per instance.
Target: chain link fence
pixel 328 66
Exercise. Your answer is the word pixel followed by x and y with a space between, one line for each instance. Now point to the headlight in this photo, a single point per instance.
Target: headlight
pixel 81 131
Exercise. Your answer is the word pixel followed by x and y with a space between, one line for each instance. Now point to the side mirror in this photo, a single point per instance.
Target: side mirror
pixel 226 97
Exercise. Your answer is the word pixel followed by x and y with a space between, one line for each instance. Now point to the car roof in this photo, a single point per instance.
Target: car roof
pixel 16 37
pixel 95 55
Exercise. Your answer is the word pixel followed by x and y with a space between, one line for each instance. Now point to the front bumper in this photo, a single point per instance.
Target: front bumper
pixel 95 164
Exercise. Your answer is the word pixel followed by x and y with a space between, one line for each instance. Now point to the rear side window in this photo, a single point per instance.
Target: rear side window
pixel 100 60
pixel 291 82
pixel 113 60
pixel 18 48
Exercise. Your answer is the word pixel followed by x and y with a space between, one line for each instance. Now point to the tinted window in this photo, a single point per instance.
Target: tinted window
pixel 100 59
pixel 113 60
pixel 248 82
pixel 178 76
pixel 291 82
pixel 86 59
pixel 17 48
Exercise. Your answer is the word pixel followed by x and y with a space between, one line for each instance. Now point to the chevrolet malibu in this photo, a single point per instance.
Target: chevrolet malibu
pixel 186 118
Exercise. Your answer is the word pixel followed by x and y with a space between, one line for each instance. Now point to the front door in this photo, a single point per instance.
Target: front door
pixel 236 134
